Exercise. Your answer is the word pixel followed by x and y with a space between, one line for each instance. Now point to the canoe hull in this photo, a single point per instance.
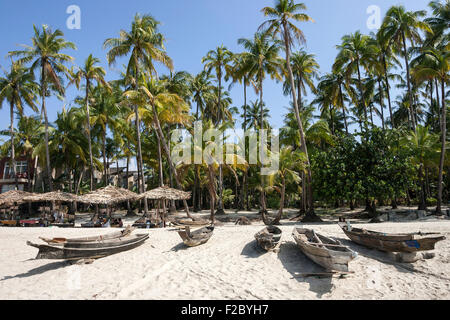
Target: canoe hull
pixel 333 259
pixel 407 243
pixel 90 250
pixel 196 238
pixel 269 238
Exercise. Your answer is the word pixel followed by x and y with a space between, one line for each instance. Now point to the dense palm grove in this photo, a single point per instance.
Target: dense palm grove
pixel 322 163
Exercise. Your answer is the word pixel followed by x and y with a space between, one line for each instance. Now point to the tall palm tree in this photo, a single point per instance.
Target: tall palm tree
pixel 154 94
pixel 220 60
pixel 281 22
pixel 306 71
pixel 18 89
pixel 436 64
pixel 398 26
pixel 354 53
pixel 145 45
pixel 90 72
pixel 45 54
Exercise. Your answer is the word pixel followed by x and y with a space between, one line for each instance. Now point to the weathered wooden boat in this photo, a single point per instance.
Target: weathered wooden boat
pixel 114 235
pixel 63 225
pixel 92 224
pixel 8 223
pixel 88 250
pixel 269 238
pixel 324 251
pixel 197 237
pixel 30 222
pixel 189 222
pixel 408 242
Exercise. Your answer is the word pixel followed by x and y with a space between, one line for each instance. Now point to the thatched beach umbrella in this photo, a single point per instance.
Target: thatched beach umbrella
pixel 14 196
pixel 165 193
pixel 108 196
pixel 56 196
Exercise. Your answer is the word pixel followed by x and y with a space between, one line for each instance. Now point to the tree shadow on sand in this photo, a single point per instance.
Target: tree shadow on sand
pixel 39 270
pixel 296 263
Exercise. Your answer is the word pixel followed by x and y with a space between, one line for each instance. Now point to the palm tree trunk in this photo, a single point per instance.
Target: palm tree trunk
pixel 13 152
pixel 388 91
pixel 160 135
pixel 44 111
pixel 422 201
pixel 343 108
pixel 405 52
pixel 381 103
pixel 261 147
pixel 160 163
pixel 139 147
pixel 88 128
pixel 245 179
pixel 310 215
pixel 444 137
pixel 361 91
pixel 105 163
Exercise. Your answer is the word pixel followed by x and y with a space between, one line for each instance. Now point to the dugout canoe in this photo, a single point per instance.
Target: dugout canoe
pixel 392 242
pixel 88 250
pixel 114 235
pixel 197 237
pixel 269 238
pixel 324 251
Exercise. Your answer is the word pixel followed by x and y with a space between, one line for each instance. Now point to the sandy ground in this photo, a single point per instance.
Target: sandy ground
pixel 229 266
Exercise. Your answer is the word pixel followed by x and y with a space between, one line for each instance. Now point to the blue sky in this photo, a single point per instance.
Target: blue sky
pixel 192 28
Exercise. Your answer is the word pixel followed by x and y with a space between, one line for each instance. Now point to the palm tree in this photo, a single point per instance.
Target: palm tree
pixel 18 88
pixel 45 54
pixel 354 53
pixel 436 64
pixel 398 26
pixel 145 45
pixel 90 73
pixel 291 163
pixel 282 15
pixel 306 70
pixel 219 60
pixel 425 149
pixel 153 93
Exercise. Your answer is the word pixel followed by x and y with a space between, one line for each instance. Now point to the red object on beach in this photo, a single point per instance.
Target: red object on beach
pixel 29 221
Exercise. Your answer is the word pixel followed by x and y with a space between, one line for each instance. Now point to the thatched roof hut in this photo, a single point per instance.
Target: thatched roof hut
pixel 165 193
pixel 14 196
pixel 108 196
pixel 57 196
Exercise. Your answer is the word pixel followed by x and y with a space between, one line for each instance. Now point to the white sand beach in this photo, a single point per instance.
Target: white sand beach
pixel 229 266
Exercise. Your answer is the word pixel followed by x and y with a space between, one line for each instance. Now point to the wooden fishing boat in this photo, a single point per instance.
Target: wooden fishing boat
pixel 324 251
pixel 189 222
pixel 92 224
pixel 88 250
pixel 269 238
pixel 114 235
pixel 196 238
pixel 408 243
pixel 30 222
pixel 63 225
pixel 8 223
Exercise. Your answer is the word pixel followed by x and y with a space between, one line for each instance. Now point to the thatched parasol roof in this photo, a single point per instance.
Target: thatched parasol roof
pixel 52 196
pixel 13 196
pixel 165 193
pixel 108 195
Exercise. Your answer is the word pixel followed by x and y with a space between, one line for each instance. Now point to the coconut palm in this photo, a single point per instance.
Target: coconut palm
pixel 153 93
pixel 281 22
pixel 90 72
pixel 145 45
pixel 354 54
pixel 220 60
pixel 18 89
pixel 306 70
pixel 436 64
pixel 398 26
pixel 291 163
pixel 45 55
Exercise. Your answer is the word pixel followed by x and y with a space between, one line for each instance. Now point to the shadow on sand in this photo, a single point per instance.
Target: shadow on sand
pixel 296 263
pixel 39 270
pixel 253 250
